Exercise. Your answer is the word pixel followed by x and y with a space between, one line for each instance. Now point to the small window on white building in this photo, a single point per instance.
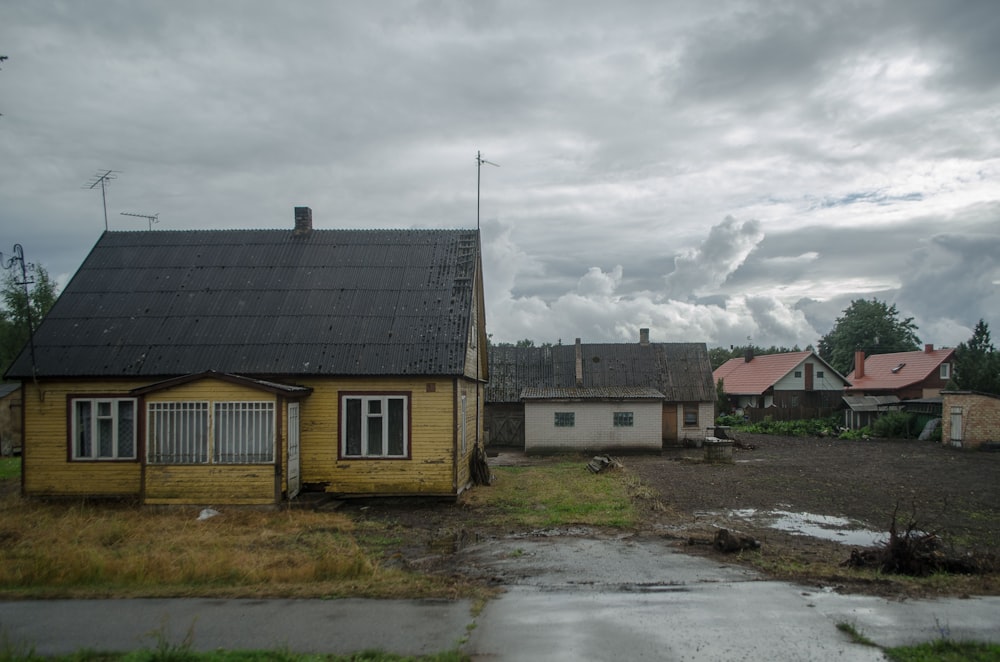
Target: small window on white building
pixel 624 419
pixel 798 374
pixel 819 374
pixel 565 419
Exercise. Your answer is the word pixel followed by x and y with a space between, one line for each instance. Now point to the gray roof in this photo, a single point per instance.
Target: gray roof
pixel 593 393
pixel 870 402
pixel 681 372
pixel 263 302
pixel 7 389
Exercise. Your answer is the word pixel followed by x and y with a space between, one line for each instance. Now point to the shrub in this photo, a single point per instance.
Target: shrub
pixel 896 425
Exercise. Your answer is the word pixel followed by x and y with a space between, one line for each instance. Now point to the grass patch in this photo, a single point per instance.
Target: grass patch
pixel 945 650
pixel 79 549
pixel 10 467
pixel 851 631
pixel 560 493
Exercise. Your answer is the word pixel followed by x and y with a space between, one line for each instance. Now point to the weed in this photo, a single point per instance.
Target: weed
pixel 856 636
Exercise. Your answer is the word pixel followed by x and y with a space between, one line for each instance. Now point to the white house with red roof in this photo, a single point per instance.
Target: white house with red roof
pixel 789 379
pixel 907 375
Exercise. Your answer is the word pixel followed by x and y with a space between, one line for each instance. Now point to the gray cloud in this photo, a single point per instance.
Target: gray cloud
pixel 859 138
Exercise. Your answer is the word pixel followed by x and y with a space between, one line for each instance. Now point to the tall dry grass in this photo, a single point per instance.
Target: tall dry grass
pixel 80 548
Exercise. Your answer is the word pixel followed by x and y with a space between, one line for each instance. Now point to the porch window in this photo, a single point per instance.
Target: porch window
pixel 375 426
pixel 691 415
pixel 623 419
pixel 203 432
pixel 103 429
pixel 244 433
pixel 565 419
pixel 178 432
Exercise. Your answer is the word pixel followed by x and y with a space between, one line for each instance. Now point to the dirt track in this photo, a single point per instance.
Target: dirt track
pixel 954 494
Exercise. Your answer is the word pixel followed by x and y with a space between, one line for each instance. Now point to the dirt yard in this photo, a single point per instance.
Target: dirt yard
pixel 834 489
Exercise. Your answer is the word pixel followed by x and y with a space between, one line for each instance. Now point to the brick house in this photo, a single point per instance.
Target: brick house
pixel 971 419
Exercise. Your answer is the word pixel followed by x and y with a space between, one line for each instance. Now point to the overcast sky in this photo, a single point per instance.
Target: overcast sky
pixel 715 171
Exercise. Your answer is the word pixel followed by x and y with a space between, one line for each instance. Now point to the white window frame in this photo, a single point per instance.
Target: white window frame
pixel 370 418
pixel 197 431
pixel 114 416
pixel 686 408
pixel 945 371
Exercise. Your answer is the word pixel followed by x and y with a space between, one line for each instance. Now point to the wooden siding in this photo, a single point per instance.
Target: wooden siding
pixel 210 484
pixel 217 483
pixel 430 469
pixel 47 469
pixel 476 361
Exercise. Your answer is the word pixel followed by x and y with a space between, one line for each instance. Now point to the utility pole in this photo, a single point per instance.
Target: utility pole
pixel 479 169
pixel 103 178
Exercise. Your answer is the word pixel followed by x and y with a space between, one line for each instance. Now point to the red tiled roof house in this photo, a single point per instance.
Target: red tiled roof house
pixel 790 379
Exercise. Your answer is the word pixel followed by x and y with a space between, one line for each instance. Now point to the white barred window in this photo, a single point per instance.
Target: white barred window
pixel 244 432
pixel 221 432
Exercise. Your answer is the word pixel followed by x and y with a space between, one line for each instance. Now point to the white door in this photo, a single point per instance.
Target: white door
pixel 956 426
pixel 294 482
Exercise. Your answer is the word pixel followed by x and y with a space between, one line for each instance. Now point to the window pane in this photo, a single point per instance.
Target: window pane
pixel 178 432
pixel 83 442
pixel 105 437
pixel 565 419
pixel 244 432
pixel 396 446
pixel 353 425
pixel 623 419
pixel 126 429
pixel 375 435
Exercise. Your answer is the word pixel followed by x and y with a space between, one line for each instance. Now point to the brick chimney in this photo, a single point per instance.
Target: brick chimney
pixel 643 337
pixel 303 221
pixel 748 354
pixel 579 364
pixel 928 348
pixel 859 364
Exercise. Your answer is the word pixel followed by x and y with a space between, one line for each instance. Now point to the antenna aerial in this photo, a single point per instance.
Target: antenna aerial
pixel 479 167
pixel 103 178
pixel 155 218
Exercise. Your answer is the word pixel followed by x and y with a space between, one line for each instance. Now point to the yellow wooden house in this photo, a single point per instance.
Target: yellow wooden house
pixel 249 366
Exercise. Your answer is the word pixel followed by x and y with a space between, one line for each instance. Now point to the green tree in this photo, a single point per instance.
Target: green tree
pixel 977 363
pixel 14 312
pixel 869 325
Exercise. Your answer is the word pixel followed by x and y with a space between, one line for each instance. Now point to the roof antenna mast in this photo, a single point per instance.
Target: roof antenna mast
pixel 154 218
pixel 479 169
pixel 103 178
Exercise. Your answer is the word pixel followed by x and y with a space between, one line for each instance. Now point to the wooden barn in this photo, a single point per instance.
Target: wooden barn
pixel 245 366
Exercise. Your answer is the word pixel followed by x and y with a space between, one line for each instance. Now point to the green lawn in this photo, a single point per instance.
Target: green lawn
pixel 10 467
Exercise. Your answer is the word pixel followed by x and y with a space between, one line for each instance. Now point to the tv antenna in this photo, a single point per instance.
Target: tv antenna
pixel 479 169
pixel 18 259
pixel 103 178
pixel 155 218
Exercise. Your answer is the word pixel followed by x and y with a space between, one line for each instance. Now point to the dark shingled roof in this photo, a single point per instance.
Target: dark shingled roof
pixel 263 302
pixel 680 371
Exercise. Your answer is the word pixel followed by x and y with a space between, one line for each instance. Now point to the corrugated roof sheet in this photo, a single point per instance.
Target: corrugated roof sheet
pixel 679 371
pixel 593 393
pixel 264 302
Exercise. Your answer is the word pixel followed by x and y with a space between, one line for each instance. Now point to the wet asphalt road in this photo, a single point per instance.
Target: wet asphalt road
pixel 569 598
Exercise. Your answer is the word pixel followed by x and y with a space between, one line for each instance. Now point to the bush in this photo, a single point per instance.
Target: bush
pixel 817 427
pixel 896 425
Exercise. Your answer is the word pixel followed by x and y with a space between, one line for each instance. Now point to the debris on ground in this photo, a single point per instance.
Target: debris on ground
pixel 479 468
pixel 207 513
pixel 917 554
pixel 602 462
pixel 728 542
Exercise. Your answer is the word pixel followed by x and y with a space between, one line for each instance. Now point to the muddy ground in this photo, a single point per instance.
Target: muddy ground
pixel 952 493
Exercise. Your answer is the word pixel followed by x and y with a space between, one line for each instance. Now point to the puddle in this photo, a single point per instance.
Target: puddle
pixel 825 527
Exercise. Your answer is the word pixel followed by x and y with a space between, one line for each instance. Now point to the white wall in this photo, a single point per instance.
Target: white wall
pixel 593 429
